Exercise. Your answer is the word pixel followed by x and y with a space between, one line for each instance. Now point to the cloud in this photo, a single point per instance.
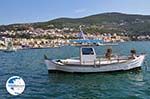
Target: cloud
pixel 80 10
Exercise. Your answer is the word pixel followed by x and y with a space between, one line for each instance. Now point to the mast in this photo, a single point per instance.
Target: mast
pixel 82 35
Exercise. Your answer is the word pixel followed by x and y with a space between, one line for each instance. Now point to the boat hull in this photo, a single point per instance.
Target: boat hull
pixel 128 65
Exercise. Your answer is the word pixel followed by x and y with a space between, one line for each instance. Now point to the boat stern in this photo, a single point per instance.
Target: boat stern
pixel 141 59
pixel 137 62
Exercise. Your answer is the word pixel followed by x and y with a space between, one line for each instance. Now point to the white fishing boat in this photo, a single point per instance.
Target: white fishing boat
pixel 89 62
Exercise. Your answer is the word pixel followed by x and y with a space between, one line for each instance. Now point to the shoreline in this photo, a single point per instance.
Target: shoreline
pixel 47 47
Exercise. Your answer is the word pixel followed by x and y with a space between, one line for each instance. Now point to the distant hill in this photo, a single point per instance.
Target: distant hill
pixel 101 23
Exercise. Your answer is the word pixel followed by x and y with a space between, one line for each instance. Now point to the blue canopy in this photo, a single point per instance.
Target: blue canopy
pixel 87 41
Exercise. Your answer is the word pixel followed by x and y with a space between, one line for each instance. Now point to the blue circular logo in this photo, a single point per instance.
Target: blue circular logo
pixel 15 85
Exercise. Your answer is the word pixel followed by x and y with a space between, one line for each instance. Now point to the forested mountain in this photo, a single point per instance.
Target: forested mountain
pixel 101 23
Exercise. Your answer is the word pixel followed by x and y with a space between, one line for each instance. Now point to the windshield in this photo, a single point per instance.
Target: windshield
pixel 87 51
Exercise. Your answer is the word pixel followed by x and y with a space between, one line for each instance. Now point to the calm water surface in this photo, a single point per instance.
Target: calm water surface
pixel 29 64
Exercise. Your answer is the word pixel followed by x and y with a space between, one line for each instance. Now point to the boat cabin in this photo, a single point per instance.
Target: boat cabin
pixel 87 55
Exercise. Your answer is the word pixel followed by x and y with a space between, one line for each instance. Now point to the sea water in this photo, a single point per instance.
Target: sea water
pixel 29 64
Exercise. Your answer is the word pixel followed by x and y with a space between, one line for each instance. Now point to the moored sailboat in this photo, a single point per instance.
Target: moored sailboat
pixel 9 45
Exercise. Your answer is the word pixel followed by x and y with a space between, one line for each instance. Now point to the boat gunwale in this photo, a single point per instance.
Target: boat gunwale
pixel 90 65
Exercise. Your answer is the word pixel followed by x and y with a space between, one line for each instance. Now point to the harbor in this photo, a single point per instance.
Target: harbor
pixel 47 59
pixel 57 39
pixel 74 49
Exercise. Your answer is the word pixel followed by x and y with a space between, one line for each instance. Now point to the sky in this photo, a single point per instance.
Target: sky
pixel 24 11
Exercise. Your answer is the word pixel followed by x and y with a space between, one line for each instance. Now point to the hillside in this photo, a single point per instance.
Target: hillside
pixel 101 23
